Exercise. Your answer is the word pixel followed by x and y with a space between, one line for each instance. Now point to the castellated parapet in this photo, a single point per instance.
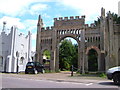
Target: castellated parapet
pixel 69 18
pixel 69 21
pixel 46 28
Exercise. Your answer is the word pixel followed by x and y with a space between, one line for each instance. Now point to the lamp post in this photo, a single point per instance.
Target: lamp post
pixel 17 55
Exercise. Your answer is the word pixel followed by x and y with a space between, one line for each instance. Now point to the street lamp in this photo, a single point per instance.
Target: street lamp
pixel 17 55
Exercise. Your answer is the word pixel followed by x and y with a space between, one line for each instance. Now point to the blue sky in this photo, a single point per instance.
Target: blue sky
pixel 24 14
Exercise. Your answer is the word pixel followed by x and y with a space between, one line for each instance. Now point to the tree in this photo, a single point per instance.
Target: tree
pixel 67 55
pixel 116 18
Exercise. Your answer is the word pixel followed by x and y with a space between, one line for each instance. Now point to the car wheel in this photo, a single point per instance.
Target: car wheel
pixel 35 71
pixel 116 78
pixel 26 72
pixel 43 71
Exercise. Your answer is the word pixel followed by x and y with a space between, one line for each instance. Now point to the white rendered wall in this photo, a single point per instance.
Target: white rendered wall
pixel 12 43
pixel 119 8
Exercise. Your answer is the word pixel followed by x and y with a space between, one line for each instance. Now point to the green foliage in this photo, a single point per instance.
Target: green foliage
pixel 116 18
pixel 47 54
pixel 68 55
pixel 102 75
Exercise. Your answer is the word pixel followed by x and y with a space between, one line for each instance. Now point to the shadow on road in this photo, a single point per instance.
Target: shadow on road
pixel 109 84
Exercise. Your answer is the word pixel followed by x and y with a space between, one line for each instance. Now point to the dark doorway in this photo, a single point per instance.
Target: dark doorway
pixel 92 60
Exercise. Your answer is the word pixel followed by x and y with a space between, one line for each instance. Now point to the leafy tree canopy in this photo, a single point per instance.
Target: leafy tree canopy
pixel 47 54
pixel 116 18
pixel 68 55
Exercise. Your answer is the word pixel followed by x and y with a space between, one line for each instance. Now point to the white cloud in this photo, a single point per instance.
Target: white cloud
pixel 45 15
pixel 25 26
pixel 18 7
pixel 35 9
pixel 30 25
pixel 10 22
pixel 12 7
pixel 91 8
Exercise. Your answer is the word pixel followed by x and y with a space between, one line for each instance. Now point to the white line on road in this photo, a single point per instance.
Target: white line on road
pixel 66 82
pixel 89 84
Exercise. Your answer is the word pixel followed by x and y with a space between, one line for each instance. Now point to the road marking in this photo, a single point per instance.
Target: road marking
pixel 89 84
pixel 56 81
pixel 86 84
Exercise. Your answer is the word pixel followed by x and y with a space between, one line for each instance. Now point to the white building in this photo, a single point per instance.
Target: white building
pixel 15 50
pixel 119 8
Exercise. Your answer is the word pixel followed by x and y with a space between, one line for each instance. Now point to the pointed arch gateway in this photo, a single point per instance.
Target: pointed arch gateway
pixel 76 34
pixel 49 38
pixel 78 43
pixel 93 59
pixel 74 27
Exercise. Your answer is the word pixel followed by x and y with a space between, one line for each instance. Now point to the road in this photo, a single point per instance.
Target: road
pixel 21 82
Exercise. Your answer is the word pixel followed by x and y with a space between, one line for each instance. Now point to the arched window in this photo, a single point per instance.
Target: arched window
pixel 21 60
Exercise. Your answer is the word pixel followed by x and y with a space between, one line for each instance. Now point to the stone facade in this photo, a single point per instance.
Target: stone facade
pixel 103 38
pixel 15 50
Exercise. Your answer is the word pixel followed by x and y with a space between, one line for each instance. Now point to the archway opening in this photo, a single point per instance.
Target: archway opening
pixel 92 60
pixel 46 59
pixel 68 54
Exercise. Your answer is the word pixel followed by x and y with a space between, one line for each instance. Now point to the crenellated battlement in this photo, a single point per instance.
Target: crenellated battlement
pixel 47 28
pixel 92 25
pixel 69 18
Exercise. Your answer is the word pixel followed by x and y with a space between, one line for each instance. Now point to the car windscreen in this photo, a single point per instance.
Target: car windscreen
pixel 30 63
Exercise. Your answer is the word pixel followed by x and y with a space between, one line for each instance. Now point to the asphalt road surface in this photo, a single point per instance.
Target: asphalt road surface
pixel 16 82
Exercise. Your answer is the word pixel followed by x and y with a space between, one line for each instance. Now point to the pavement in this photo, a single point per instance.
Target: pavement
pixel 59 77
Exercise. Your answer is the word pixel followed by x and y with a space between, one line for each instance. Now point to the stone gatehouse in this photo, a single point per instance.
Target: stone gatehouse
pixel 104 38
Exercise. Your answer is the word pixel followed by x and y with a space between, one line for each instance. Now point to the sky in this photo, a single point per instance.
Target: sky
pixel 24 13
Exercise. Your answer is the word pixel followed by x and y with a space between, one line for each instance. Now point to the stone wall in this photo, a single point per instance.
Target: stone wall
pixel 104 38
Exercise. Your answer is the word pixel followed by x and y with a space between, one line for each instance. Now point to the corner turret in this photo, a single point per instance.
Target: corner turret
pixel 102 12
pixel 40 21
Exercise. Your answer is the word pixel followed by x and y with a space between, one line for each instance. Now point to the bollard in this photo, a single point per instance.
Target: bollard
pixel 17 69
pixel 72 70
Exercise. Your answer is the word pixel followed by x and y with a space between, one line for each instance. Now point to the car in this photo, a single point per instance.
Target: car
pixel 34 67
pixel 114 74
